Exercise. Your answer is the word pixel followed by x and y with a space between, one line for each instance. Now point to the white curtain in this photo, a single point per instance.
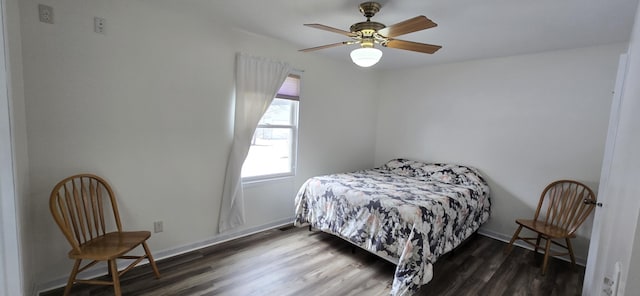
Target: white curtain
pixel 257 82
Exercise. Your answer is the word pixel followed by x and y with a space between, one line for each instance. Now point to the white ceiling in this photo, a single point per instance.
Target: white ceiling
pixel 467 29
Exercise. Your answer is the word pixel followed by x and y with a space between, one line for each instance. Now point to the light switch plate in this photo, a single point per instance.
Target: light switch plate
pixel 99 25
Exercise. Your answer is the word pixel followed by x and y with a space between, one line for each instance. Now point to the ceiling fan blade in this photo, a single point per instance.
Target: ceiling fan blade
pixel 331 29
pixel 411 25
pixel 326 46
pixel 413 46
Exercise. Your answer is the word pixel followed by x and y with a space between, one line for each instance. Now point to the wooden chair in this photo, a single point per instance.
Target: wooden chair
pixel 78 204
pixel 563 207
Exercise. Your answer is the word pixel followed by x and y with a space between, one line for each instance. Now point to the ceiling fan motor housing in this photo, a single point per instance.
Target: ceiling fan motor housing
pixel 367 30
pixel 369 9
pixel 367 27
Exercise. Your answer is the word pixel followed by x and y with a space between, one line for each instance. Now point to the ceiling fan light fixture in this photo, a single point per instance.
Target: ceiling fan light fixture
pixel 366 56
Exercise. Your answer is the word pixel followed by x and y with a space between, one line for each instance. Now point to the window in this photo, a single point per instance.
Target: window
pixel 273 148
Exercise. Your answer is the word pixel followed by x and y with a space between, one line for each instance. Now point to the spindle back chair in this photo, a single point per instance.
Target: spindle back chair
pixel 84 207
pixel 563 206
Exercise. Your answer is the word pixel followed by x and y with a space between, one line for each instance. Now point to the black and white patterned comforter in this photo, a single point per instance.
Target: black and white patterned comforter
pixel 407 210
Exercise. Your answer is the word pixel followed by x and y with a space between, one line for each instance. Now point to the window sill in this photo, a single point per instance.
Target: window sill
pixel 269 179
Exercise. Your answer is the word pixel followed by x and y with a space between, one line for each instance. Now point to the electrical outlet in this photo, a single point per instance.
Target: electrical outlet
pixel 610 287
pixel 607 287
pixel 45 13
pixel 157 226
pixel 99 25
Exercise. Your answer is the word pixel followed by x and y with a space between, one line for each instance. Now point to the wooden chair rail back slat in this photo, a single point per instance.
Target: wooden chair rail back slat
pixel 572 217
pixel 63 216
pixel 93 188
pixel 88 209
pixel 101 211
pixel 562 205
pixel 561 199
pixel 70 206
pixel 78 208
pixel 77 204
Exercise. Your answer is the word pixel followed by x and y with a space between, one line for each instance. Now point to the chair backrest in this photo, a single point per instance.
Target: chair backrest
pixel 562 205
pixel 78 206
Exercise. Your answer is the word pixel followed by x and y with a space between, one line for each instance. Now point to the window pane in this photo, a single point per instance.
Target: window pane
pixel 270 152
pixel 279 113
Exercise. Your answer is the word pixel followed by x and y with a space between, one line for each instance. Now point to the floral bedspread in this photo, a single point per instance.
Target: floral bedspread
pixel 406 210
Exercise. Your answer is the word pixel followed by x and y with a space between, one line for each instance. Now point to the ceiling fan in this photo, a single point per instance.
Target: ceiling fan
pixel 368 33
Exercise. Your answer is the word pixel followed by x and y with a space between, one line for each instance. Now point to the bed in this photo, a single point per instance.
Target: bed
pixel 408 212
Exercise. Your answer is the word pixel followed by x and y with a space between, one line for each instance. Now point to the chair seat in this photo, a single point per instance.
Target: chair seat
pixel 548 230
pixel 110 246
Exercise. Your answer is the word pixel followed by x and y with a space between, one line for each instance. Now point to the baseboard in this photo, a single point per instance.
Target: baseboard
pixel 506 238
pixel 100 269
pixel 222 238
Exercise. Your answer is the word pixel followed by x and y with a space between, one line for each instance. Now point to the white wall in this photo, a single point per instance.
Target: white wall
pixel 148 106
pixel 524 121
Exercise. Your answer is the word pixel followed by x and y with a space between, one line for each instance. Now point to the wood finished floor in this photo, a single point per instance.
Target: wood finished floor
pixel 294 261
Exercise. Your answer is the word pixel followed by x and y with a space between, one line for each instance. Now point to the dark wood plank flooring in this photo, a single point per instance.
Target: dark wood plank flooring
pixel 294 261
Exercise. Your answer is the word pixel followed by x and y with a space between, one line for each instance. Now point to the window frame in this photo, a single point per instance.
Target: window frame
pixel 295 115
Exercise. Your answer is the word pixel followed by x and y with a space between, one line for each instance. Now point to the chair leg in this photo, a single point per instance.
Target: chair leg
pixel 115 277
pixel 537 244
pixel 546 256
pixel 570 248
pixel 507 250
pixel 72 277
pixel 109 269
pixel 151 261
